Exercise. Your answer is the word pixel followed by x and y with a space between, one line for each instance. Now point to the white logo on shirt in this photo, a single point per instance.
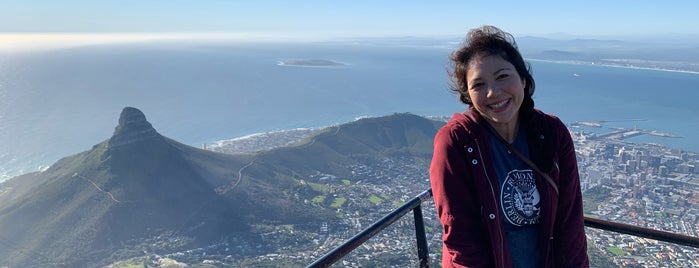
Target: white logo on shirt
pixel 519 198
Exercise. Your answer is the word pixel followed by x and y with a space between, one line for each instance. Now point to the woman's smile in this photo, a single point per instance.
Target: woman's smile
pixel 497 92
pixel 498 107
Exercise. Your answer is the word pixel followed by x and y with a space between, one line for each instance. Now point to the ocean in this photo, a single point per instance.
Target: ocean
pixel 57 103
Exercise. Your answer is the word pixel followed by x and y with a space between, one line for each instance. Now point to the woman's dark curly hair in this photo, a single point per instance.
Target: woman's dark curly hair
pixel 482 42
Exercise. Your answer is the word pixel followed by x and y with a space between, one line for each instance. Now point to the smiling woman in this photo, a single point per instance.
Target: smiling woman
pixel 497 207
pixel 208 70
pixel 497 91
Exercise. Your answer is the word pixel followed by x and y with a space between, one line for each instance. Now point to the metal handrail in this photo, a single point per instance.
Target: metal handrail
pixel 349 245
pixel 642 232
pixel 415 205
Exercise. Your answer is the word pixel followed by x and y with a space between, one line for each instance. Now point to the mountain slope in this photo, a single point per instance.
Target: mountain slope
pixel 136 185
pixel 105 204
pixel 332 150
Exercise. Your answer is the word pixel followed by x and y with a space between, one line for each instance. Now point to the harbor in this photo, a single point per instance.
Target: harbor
pixel 620 133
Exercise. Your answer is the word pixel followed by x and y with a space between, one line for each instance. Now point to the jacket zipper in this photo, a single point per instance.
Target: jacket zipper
pixel 495 201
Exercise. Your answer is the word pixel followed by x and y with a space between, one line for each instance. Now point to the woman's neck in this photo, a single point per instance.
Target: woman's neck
pixel 508 131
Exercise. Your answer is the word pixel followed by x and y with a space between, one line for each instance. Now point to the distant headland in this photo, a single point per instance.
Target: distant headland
pixel 310 63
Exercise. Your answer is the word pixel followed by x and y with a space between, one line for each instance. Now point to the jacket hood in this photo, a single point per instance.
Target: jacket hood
pixel 536 123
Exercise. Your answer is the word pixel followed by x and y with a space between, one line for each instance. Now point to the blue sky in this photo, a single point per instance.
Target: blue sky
pixel 351 17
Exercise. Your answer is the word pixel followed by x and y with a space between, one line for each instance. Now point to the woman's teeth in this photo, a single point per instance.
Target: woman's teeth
pixel 499 104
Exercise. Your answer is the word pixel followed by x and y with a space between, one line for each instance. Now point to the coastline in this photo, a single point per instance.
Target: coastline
pixel 311 63
pixel 262 141
pixel 280 138
pixel 625 66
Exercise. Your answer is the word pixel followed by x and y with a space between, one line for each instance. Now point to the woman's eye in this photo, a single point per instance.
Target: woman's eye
pixel 503 76
pixel 476 86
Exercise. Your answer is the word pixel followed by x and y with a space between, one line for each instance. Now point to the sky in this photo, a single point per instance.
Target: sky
pixel 591 18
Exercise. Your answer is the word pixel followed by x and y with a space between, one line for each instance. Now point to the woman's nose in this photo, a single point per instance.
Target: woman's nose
pixel 493 90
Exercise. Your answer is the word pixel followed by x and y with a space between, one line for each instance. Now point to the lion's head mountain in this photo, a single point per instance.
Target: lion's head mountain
pixel 139 192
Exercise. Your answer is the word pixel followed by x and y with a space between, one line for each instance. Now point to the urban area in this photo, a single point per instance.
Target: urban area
pixel 646 185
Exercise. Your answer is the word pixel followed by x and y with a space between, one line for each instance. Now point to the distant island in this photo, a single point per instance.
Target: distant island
pixel 310 63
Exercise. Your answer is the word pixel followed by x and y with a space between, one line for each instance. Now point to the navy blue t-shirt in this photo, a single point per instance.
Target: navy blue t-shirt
pixel 520 202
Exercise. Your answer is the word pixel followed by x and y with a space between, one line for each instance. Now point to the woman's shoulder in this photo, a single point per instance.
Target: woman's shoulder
pixel 549 121
pixel 461 126
pixel 462 122
pixel 551 126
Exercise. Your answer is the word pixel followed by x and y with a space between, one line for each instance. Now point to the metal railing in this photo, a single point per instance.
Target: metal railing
pixel 415 205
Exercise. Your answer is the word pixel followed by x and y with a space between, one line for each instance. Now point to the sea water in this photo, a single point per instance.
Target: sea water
pixel 61 102
pixel 635 98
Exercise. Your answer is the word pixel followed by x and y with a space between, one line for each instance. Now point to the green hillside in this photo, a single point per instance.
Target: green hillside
pixel 140 192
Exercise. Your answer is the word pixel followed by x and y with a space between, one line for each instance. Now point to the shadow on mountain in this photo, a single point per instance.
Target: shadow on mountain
pixel 140 189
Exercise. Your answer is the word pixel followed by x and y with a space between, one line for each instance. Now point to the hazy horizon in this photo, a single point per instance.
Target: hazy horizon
pixel 595 18
pixel 28 41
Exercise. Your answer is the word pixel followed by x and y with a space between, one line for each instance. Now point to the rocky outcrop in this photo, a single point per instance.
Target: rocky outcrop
pixel 133 128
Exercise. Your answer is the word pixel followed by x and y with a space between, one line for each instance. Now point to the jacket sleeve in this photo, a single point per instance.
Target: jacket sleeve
pixel 464 236
pixel 570 243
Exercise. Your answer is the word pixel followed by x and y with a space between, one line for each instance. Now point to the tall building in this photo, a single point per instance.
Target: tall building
pixel 608 150
pixel 662 171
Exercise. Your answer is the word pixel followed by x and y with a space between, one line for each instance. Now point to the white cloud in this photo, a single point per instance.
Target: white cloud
pixel 49 41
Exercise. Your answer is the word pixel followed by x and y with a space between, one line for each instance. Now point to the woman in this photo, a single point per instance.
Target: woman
pixel 497 210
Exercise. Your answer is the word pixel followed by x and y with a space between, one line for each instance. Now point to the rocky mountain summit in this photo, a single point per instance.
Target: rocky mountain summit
pixel 142 193
pixel 135 189
pixel 133 128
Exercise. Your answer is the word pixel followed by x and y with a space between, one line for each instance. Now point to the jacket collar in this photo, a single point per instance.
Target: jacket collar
pixel 540 136
pixel 471 120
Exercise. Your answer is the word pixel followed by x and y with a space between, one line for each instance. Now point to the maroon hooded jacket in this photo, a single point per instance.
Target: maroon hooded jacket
pixel 465 188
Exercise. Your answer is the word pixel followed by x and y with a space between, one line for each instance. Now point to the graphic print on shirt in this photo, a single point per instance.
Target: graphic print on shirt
pixel 519 198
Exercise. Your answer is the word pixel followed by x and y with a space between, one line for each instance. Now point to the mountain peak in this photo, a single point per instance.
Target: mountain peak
pixel 133 128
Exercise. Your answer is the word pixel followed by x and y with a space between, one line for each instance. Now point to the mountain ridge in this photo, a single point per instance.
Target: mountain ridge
pixel 138 186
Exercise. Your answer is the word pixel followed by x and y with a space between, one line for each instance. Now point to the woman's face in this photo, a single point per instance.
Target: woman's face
pixel 496 90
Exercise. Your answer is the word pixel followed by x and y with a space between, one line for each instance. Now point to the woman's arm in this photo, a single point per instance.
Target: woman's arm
pixel 465 237
pixel 570 242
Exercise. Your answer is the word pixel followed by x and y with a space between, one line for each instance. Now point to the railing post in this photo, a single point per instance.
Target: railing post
pixel 349 245
pixel 415 205
pixel 422 253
